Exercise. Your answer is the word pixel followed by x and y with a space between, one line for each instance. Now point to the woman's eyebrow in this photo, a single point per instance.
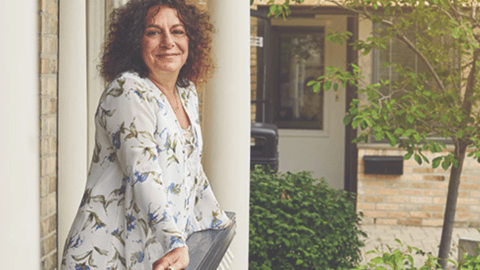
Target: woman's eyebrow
pixel 152 25
pixel 157 26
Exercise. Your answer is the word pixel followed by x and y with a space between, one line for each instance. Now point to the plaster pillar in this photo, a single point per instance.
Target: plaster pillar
pixel 226 118
pixel 96 26
pixel 19 138
pixel 72 114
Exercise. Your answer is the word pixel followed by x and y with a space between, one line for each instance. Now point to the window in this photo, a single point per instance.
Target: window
pixel 396 52
pixel 300 57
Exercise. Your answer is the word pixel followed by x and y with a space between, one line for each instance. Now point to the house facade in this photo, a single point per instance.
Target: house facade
pixel 286 54
pixel 50 55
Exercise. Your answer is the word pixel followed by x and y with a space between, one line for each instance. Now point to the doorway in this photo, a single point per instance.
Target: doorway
pixel 311 130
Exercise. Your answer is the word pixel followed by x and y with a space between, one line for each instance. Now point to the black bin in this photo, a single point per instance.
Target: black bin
pixel 264 147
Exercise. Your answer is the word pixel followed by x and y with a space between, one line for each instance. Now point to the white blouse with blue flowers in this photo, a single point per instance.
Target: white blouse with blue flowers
pixel 146 190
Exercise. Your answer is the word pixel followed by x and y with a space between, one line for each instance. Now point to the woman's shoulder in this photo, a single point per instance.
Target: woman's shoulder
pixel 129 78
pixel 129 88
pixel 128 82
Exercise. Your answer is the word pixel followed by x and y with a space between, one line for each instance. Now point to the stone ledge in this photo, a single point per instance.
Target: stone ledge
pixel 469 246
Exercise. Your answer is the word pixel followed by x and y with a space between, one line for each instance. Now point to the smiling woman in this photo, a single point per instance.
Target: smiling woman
pixel 164 43
pixel 146 191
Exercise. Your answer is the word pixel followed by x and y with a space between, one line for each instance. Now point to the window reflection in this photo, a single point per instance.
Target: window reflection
pixel 301 58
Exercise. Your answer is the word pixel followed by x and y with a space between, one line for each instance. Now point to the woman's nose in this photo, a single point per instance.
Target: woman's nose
pixel 167 41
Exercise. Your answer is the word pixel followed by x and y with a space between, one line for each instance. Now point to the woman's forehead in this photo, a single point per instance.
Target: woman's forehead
pixel 166 12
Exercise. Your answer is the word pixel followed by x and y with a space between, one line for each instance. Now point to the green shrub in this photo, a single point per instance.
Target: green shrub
pixel 402 259
pixel 470 262
pixel 298 222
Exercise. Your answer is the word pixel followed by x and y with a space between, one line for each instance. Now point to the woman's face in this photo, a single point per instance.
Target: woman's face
pixel 165 42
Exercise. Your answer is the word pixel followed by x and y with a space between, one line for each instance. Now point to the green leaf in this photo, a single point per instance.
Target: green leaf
pixel 417 137
pixel 310 83
pixel 407 156
pixel 391 138
pixel 436 162
pixel 299 261
pixel 316 87
pixel 327 85
pixel 410 118
pixel 460 133
pixel 418 159
pixel 446 164
pixel 456 33
pixel 347 119
pixel 335 86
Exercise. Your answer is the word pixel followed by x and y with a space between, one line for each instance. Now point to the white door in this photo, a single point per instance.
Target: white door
pixel 311 130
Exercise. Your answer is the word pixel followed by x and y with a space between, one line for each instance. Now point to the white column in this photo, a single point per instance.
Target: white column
pixel 72 114
pixel 226 117
pixel 19 138
pixel 95 82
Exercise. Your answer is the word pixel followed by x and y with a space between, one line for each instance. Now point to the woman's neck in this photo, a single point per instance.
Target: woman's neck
pixel 165 83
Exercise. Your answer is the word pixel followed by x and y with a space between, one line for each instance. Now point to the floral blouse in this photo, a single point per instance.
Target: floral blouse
pixel 146 190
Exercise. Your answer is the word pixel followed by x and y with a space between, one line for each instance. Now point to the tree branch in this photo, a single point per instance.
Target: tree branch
pixel 404 39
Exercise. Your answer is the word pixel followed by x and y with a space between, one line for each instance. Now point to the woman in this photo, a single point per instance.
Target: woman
pixel 146 189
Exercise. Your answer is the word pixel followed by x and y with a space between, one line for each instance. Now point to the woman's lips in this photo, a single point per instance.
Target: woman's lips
pixel 168 55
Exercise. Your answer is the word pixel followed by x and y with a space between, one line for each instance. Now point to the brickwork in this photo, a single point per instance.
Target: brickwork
pixel 418 197
pixel 48 66
pixel 253 69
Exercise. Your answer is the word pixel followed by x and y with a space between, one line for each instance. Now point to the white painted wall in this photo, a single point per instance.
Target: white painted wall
pixel 19 136
pixel 72 114
pixel 226 118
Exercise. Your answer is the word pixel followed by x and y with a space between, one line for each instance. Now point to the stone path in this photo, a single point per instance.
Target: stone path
pixel 424 238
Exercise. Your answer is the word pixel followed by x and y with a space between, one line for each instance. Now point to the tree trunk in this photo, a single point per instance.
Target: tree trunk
pixel 451 207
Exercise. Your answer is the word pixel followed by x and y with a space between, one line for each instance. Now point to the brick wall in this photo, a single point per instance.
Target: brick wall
pixel 418 197
pixel 48 64
pixel 253 69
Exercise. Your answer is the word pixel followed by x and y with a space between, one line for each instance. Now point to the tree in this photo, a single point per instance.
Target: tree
pixel 441 102
pixel 279 9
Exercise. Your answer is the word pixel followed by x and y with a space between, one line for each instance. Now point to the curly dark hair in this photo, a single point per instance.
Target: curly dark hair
pixel 123 48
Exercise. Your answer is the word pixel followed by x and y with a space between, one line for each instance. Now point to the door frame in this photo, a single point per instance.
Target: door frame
pixel 304 11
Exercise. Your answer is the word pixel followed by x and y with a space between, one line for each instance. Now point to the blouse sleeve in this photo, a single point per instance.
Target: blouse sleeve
pixel 131 125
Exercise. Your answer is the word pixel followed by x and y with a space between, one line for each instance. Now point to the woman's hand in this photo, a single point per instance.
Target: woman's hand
pixel 176 259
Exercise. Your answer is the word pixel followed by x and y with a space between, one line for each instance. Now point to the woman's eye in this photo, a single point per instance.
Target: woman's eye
pixel 178 32
pixel 152 33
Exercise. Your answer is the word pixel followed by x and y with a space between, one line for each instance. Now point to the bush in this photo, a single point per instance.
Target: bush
pixel 402 259
pixel 298 222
